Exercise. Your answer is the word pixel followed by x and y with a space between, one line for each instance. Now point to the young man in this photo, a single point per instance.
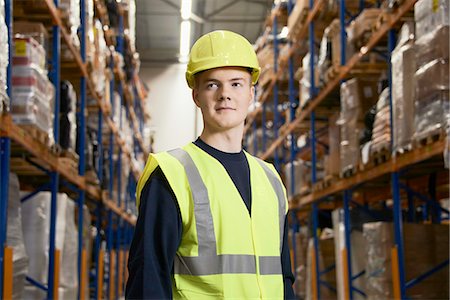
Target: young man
pixel 212 218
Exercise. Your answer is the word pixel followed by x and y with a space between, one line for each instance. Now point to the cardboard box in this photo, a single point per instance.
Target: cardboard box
pixel 425 246
pixel 35 30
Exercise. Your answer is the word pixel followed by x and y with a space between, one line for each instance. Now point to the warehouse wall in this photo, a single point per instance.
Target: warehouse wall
pixel 173 112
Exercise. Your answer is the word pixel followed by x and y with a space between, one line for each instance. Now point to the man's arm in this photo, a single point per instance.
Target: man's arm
pixel 155 241
pixel 286 265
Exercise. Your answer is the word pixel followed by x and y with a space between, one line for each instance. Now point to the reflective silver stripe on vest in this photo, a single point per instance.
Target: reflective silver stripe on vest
pixel 270 265
pixel 202 211
pixel 217 264
pixel 276 185
pixel 208 262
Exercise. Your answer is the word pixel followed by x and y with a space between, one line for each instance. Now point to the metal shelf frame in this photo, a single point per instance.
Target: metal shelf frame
pixel 393 167
pixel 118 219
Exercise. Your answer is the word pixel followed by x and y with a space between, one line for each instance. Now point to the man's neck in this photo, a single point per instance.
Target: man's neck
pixel 230 142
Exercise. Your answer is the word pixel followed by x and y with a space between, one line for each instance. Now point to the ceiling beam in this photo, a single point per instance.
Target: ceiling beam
pixel 222 8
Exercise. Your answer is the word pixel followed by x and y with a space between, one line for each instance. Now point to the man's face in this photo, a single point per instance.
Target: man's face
pixel 223 95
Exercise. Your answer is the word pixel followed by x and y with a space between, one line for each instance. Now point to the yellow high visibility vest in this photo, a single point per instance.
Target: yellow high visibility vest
pixel 224 253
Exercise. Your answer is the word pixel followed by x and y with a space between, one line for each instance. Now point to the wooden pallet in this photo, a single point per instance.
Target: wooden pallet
pixel 38 134
pixel 429 138
pixel 348 172
pixel 379 154
pixel 382 19
pixel 325 183
pixel 331 73
pixel 403 149
pixel 69 153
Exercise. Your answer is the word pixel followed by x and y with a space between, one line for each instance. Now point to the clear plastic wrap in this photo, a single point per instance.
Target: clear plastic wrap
pixel 4 57
pixel 358 254
pixel 326 259
pixel 403 69
pixel 357 96
pixel 430 14
pixel 305 81
pixel 36 225
pixel 68 283
pixel 301 247
pixel 14 238
pixel 302 176
pixel 381 133
pixel 432 45
pixel 325 53
pixel 258 135
pixel 425 246
pixel 431 115
pixel 28 52
pixel 100 53
pixel 31 109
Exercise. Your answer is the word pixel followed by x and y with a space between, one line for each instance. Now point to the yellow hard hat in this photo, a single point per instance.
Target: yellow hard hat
pixel 221 48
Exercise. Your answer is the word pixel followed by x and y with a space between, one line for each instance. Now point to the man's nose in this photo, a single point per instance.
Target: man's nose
pixel 224 93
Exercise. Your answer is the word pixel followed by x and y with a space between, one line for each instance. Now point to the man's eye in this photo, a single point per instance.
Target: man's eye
pixel 236 84
pixel 212 85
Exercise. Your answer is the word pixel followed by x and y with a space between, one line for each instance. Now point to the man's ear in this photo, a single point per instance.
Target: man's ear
pixel 195 97
pixel 252 95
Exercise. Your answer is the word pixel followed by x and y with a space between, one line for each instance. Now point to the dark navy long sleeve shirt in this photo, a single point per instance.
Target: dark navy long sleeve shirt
pixel 158 231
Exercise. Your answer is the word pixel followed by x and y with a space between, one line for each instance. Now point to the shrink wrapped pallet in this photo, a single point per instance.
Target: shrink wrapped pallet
pixel 430 14
pixel 381 133
pixel 425 246
pixel 4 58
pixel 14 237
pixel 265 59
pixel 27 52
pixel 36 226
pixel 32 92
pixel 67 117
pixel 68 283
pixel 403 69
pixel 332 162
pixel 358 255
pixel 432 83
pixel 299 263
pixel 305 81
pixel 302 176
pixel 99 56
pixel 357 96
pixel 326 259
pixel 34 30
pixel 258 136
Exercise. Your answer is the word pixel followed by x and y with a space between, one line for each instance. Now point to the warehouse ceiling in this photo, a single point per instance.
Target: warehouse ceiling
pixel 158 23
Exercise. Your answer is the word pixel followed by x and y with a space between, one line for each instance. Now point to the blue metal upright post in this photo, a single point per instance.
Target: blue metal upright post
pixel 109 244
pixel 100 147
pixel 312 92
pixel 5 145
pixel 395 183
pixel 111 136
pixel 81 142
pixel 347 230
pixel 275 90
pixel 98 241
pixel 291 111
pixel 54 177
pixel 315 218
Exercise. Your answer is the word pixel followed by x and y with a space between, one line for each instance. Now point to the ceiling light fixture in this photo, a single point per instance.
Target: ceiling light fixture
pixel 185 30
pixel 185 41
pixel 186 9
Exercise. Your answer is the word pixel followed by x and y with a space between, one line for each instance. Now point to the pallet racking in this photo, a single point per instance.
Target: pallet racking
pixel 111 215
pixel 405 176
